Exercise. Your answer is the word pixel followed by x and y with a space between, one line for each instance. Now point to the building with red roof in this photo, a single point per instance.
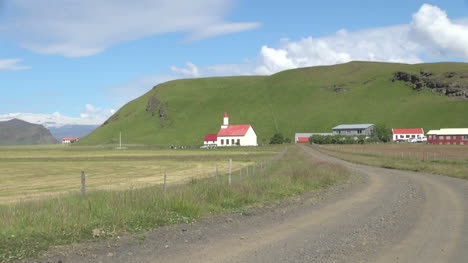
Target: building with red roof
pixel 210 139
pixel 408 134
pixel 233 135
pixel 69 140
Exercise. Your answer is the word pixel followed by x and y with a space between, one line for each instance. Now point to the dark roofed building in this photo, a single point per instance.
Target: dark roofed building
pixel 354 129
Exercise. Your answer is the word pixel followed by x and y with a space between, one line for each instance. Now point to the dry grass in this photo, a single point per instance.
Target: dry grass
pixel 421 151
pixel 449 160
pixel 27 173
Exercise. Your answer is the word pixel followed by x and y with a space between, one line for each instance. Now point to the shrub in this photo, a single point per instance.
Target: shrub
pixel 277 138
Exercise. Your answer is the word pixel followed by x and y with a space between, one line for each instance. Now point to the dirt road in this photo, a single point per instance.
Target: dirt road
pixel 381 215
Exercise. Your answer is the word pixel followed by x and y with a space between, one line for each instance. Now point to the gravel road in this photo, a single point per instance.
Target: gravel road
pixel 379 215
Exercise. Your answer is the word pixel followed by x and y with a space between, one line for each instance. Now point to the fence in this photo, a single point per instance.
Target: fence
pixel 258 168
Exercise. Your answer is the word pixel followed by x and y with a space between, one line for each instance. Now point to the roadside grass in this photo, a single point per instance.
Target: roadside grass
pixel 29 228
pixel 450 167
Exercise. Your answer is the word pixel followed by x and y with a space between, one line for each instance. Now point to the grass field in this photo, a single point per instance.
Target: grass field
pixel 29 172
pixel 299 100
pixel 28 228
pixel 450 160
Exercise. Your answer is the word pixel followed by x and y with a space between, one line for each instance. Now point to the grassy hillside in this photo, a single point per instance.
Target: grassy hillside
pixel 18 132
pixel 312 99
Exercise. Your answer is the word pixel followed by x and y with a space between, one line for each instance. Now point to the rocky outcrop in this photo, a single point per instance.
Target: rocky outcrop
pixel 162 116
pixel 157 108
pixel 445 85
pixel 152 104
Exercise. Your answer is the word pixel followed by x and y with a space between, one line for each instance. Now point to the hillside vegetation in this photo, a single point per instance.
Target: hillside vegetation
pixel 311 99
pixel 18 132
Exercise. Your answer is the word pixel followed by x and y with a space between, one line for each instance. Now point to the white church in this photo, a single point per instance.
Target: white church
pixel 232 135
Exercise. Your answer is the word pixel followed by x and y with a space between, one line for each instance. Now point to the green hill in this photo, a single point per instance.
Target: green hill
pixel 18 132
pixel 314 99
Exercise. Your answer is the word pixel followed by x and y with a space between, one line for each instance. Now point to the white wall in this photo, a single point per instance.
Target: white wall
pixel 249 139
pixel 405 136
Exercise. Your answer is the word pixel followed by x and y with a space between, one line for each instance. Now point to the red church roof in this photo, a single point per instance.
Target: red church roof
pixel 211 137
pixel 408 131
pixel 234 130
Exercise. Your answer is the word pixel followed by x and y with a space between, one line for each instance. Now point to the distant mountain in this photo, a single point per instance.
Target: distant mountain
pixel 79 131
pixel 18 132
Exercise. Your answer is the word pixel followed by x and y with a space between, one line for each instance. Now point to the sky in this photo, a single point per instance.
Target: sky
pixel 78 61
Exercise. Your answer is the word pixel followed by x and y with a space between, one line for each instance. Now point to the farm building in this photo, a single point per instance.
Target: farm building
pixel 448 136
pixel 233 135
pixel 69 140
pixel 407 134
pixel 354 129
pixel 304 137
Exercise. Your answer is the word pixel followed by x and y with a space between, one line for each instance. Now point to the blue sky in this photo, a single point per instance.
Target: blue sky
pixel 77 61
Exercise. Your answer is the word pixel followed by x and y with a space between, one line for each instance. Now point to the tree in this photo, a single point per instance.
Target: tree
pixel 382 132
pixel 277 138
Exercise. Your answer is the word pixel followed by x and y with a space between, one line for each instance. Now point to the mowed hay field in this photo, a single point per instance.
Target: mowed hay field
pixel 450 160
pixel 32 172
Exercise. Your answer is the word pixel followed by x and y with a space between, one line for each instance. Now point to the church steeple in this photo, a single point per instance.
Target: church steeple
pixel 225 121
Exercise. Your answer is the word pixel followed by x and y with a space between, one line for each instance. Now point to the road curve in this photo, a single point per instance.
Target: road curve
pixel 383 215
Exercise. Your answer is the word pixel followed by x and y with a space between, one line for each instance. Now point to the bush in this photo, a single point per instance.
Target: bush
pixel 382 133
pixel 341 139
pixel 277 138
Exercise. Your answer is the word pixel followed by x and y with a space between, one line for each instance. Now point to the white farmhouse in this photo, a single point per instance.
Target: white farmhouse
pixel 235 135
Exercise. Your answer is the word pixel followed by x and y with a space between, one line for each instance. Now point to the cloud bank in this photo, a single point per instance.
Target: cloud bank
pixel 87 27
pixel 12 64
pixel 430 33
pixel 90 115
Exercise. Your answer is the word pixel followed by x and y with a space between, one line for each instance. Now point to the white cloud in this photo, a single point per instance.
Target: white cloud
pixel 432 26
pixel 387 44
pixel 221 29
pixel 430 33
pixel 87 27
pixel 12 64
pixel 191 70
pixel 91 115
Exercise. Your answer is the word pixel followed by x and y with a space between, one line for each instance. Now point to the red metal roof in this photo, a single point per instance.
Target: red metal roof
pixel 408 131
pixel 302 139
pixel 234 130
pixel 211 137
pixel 70 139
pixel 225 114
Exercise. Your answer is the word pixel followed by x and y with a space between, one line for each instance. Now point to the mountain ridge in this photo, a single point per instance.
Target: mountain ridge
pixel 312 99
pixel 19 132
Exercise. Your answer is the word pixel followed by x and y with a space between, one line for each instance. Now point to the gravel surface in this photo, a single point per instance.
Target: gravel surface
pixel 379 215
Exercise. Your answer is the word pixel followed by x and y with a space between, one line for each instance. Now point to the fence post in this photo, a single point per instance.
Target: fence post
pixel 230 172
pixel 165 180
pixel 240 175
pixel 83 184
